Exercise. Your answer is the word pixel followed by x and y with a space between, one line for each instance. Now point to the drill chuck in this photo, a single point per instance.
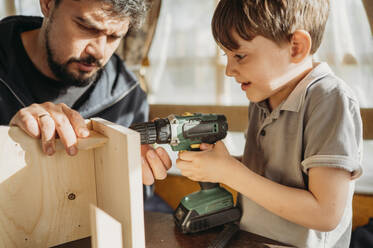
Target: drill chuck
pixel 147 130
pixel 158 131
pixel 183 131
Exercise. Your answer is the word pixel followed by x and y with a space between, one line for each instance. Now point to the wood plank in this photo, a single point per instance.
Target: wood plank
pixel 368 5
pixel 106 231
pixel 362 209
pixel 43 199
pixel 119 180
pixel 367 117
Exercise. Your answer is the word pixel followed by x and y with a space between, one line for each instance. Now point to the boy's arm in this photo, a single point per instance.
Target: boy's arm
pixel 320 207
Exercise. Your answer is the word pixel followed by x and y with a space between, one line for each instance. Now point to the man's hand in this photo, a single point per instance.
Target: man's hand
pixel 45 120
pixel 155 163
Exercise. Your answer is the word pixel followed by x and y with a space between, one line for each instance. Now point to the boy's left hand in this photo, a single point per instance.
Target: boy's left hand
pixel 209 165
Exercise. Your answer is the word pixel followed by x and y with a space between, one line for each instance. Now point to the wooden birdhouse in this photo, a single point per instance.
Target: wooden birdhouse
pixel 51 200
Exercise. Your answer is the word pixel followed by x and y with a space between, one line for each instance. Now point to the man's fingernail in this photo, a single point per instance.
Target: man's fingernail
pixel 72 150
pixel 84 132
pixel 50 150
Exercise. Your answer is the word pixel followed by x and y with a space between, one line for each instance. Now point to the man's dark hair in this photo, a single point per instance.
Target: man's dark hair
pixel 273 19
pixel 134 9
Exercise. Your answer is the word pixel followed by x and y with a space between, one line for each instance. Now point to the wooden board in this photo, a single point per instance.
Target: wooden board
pixel 106 231
pixel 43 200
pixel 368 5
pixel 367 117
pixel 362 210
pixel 119 180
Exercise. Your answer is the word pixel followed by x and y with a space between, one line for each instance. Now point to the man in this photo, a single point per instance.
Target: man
pixel 57 70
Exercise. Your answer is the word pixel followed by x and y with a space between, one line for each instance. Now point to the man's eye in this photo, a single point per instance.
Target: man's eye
pixel 85 28
pixel 115 37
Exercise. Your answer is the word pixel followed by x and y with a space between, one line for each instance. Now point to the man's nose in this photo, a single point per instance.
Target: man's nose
pixel 97 46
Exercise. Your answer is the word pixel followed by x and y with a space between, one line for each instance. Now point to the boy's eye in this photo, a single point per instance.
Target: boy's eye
pixel 239 56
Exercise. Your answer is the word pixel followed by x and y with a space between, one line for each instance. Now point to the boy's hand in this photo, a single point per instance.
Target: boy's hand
pixel 209 165
pixel 155 163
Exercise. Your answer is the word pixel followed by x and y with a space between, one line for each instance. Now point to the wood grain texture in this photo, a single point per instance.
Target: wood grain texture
pixel 362 209
pixel 43 200
pixel 368 5
pixel 106 231
pixel 119 180
pixel 367 117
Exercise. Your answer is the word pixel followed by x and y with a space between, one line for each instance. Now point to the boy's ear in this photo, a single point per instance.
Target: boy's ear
pixel 300 45
pixel 46 7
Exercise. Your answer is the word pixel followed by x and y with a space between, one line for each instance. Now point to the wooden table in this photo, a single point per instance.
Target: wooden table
pixel 161 232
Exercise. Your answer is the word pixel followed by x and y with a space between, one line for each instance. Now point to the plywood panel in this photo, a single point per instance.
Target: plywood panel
pixel 119 180
pixel 43 200
pixel 106 231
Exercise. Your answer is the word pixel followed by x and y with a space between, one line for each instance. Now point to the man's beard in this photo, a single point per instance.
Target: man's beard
pixel 61 72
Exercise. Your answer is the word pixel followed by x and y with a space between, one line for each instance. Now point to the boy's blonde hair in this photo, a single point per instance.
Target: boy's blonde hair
pixel 273 19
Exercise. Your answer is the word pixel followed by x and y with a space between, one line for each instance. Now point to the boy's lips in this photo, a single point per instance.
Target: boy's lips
pixel 244 86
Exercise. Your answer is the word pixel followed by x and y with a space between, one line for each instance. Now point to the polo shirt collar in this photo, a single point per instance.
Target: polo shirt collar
pixel 296 98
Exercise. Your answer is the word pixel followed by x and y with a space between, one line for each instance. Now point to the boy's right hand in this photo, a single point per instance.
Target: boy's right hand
pixel 155 163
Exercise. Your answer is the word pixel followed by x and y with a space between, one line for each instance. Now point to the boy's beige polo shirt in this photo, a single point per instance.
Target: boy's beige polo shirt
pixel 319 124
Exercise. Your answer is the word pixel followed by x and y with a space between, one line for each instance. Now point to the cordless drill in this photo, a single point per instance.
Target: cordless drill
pixel 212 205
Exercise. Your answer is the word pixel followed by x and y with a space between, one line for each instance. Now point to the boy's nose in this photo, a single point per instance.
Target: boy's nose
pixel 229 70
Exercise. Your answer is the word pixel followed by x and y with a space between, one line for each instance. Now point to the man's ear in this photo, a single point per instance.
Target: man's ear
pixel 46 7
pixel 300 45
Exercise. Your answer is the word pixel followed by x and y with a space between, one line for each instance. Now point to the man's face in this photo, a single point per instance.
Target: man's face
pixel 80 39
pixel 261 67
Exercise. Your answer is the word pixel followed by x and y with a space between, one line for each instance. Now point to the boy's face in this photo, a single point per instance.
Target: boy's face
pixel 263 68
pixel 80 39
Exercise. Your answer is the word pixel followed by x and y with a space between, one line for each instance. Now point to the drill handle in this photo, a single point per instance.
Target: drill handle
pixel 204 185
pixel 207 185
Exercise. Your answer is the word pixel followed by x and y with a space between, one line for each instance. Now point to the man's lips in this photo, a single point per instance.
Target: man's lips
pixel 244 86
pixel 86 67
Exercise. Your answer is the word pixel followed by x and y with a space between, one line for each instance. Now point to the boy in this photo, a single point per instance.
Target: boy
pixel 304 137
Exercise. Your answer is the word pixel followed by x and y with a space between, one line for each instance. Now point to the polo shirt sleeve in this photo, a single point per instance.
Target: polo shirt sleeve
pixel 333 134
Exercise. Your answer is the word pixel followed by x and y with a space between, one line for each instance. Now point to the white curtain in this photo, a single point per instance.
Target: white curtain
pixel 348 47
pixel 7 7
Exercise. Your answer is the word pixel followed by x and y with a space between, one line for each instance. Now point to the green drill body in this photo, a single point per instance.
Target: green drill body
pixel 212 205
